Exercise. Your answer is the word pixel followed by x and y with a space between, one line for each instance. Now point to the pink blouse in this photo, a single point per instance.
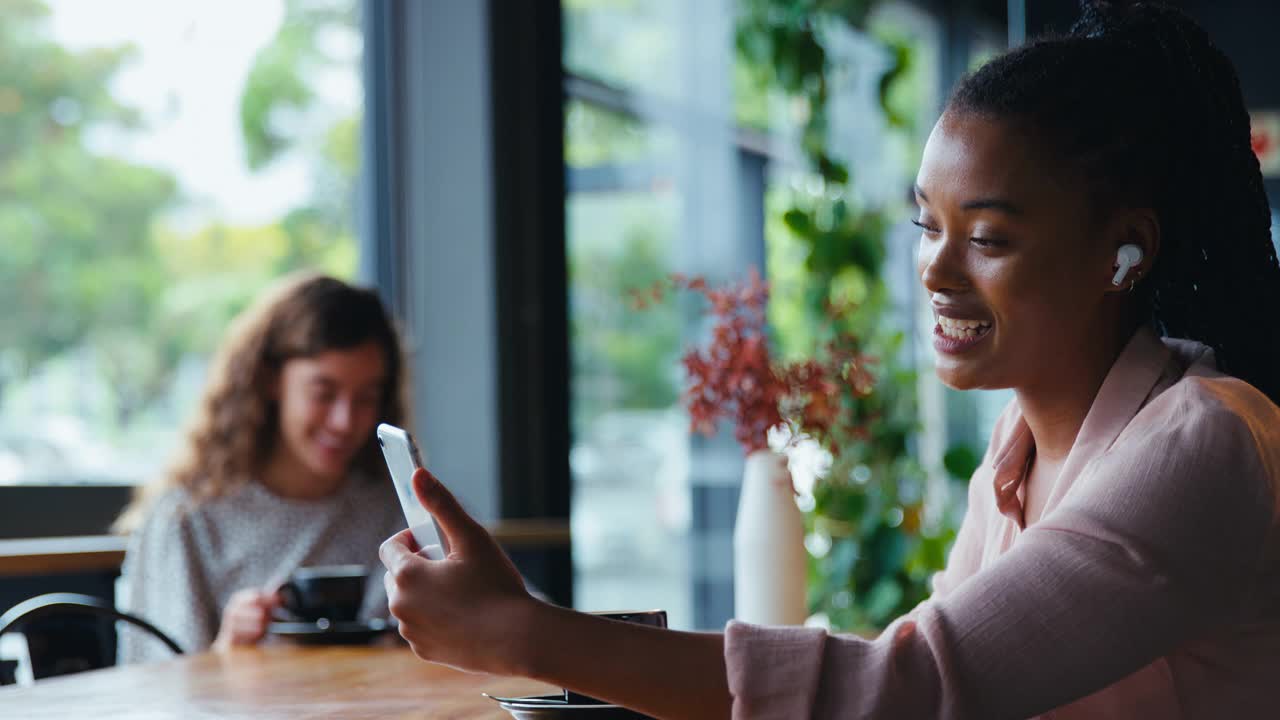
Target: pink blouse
pixel 1149 588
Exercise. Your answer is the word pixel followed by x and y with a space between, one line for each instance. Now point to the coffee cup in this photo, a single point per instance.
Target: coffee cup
pixel 652 618
pixel 333 593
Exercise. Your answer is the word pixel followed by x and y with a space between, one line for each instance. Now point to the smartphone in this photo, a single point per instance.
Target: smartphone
pixel 403 458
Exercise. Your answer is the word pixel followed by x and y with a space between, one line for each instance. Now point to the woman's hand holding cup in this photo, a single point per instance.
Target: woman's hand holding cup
pixel 245 618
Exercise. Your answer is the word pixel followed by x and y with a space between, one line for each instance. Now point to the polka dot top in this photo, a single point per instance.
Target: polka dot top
pixel 188 557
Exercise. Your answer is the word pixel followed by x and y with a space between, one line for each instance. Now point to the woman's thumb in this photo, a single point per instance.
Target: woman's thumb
pixel 459 528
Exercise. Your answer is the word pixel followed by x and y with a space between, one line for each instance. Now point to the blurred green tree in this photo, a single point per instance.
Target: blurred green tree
pixel 283 111
pixel 76 266
pixel 88 268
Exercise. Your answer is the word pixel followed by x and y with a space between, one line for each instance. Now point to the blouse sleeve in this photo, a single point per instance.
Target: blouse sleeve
pixel 164 583
pixel 1158 542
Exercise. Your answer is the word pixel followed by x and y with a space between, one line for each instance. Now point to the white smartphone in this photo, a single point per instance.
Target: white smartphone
pixel 401 454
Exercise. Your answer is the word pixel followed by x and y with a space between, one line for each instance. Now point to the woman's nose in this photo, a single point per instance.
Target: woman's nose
pixel 941 265
pixel 340 415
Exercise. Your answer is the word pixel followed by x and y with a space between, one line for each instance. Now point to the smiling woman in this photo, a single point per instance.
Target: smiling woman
pixel 1016 261
pixel 1095 238
pixel 279 470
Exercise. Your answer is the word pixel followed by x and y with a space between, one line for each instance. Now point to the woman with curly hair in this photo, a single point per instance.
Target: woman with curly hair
pixel 279 469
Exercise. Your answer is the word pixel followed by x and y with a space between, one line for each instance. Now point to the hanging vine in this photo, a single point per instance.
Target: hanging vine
pixel 872 548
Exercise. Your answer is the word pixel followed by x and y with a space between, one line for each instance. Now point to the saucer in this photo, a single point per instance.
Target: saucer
pixel 323 632
pixel 554 707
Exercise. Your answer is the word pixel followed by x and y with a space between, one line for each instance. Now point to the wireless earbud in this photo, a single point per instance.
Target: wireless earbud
pixel 1128 256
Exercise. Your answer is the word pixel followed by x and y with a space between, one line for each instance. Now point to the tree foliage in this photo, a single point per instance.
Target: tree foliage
pixel 75 222
pixel 90 268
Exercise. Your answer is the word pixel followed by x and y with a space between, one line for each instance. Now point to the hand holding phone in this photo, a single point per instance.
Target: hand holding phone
pixel 401 454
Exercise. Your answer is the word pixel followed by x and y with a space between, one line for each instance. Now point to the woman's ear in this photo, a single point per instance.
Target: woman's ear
pixel 1139 227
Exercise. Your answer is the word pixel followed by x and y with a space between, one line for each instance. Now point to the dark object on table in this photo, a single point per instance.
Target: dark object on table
pixel 328 592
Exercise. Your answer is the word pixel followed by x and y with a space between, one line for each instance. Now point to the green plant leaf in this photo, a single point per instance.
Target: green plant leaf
pixel 883 600
pixel 961 461
pixel 799 222
pixel 832 171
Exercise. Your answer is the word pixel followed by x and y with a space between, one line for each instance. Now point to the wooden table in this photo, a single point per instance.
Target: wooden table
pixel 90 553
pixel 50 556
pixel 271 682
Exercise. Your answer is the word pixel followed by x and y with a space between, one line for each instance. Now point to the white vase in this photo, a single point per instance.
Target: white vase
pixel 768 545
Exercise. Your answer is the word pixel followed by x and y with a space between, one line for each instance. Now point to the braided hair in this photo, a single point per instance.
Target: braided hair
pixel 1139 101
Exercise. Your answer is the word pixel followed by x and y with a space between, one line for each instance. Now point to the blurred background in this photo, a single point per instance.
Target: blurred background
pixel 506 173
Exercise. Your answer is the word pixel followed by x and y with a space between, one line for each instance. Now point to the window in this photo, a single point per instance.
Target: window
pixel 162 162
pixel 679 161
pixel 653 188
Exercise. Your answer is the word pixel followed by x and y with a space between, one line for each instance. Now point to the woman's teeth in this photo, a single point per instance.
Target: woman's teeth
pixel 962 329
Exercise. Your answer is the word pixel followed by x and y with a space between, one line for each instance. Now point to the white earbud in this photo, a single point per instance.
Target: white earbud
pixel 1128 256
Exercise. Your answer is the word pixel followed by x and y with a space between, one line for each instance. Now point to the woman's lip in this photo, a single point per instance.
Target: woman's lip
pixel 953 314
pixel 944 343
pixel 332 448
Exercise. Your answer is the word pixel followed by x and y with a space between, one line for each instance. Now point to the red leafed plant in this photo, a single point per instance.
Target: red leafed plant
pixel 735 376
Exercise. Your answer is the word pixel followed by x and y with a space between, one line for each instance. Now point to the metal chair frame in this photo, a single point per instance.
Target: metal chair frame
pixel 49 604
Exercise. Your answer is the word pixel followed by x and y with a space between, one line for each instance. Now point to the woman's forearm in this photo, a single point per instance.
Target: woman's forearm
pixel 472 611
pixel 667 674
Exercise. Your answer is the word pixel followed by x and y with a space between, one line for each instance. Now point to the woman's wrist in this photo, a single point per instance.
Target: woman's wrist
pixel 532 629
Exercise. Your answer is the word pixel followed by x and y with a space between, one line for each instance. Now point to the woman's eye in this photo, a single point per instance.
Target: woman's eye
pixel 925 227
pixel 986 242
